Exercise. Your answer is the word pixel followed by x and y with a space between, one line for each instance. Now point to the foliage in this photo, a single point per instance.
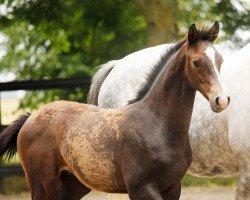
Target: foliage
pixel 61 39
pixel 232 15
pixel 48 39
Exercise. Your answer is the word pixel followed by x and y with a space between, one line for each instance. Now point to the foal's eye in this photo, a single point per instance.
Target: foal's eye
pixel 196 63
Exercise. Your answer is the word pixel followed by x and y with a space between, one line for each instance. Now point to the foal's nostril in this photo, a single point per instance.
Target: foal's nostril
pixel 217 101
pixel 228 98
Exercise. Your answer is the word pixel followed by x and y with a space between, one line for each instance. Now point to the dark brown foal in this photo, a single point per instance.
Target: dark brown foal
pixel 68 148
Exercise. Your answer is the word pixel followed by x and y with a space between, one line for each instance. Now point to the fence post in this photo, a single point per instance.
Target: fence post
pixel 1 160
pixel 1 178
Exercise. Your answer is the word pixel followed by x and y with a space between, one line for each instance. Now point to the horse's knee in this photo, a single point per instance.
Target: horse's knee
pixel 146 192
pixel 172 193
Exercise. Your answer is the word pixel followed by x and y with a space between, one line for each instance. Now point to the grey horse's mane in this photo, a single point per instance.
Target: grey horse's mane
pixel 156 69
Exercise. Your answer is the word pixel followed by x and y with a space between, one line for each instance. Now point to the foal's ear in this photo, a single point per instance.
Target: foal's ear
pixel 214 31
pixel 192 34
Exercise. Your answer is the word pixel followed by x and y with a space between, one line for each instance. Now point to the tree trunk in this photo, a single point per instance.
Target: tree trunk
pixel 161 18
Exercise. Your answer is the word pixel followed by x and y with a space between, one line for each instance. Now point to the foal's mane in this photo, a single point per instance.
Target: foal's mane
pixel 203 34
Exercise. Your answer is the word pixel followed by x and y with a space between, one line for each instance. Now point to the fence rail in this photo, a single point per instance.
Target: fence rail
pixel 45 84
pixel 11 170
pixel 16 170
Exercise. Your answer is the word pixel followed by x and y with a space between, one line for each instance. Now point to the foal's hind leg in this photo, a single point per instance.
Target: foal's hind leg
pixel 71 188
pixel 43 179
pixel 41 161
pixel 53 186
pixel 44 191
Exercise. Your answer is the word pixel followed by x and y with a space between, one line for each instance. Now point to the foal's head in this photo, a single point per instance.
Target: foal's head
pixel 203 64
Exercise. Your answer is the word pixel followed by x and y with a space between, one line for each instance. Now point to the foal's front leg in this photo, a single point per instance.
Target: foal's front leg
pixel 173 193
pixel 145 192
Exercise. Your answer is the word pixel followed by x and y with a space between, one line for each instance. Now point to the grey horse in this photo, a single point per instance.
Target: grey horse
pixel 220 142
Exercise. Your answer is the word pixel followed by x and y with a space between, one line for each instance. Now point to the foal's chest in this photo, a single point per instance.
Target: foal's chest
pixel 154 156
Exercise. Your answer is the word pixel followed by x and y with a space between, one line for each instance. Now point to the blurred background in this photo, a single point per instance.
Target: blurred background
pixel 62 39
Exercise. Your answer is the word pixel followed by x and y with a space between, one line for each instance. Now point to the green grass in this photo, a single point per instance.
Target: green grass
pixel 14 185
pixel 205 182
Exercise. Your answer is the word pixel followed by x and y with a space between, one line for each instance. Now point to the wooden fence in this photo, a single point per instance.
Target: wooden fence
pixel 16 170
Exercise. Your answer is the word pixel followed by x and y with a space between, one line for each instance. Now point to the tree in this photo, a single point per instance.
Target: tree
pixel 168 18
pixel 232 15
pixel 161 19
pixel 48 39
pixel 60 39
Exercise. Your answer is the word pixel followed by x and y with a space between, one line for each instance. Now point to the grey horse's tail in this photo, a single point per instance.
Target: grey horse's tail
pixel 98 80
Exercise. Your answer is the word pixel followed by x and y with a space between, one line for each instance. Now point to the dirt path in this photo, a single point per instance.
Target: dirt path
pixel 211 193
pixel 190 193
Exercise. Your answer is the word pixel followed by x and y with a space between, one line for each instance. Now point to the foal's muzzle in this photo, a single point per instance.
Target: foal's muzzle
pixel 219 102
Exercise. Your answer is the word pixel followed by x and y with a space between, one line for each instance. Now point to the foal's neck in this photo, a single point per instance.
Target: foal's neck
pixel 171 97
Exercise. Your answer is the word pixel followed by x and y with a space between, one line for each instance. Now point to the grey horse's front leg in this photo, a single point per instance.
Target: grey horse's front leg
pixel 243 186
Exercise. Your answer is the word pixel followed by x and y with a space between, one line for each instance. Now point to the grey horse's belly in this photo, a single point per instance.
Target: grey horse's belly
pixel 208 135
pixel 212 160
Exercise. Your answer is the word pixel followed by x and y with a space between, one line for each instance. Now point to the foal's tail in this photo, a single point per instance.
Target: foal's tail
pixel 98 80
pixel 8 137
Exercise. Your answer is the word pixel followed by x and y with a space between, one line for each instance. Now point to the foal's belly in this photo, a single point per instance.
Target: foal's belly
pixel 92 156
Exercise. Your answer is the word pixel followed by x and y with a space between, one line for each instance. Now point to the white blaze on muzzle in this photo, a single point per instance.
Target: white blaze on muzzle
pixel 220 100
